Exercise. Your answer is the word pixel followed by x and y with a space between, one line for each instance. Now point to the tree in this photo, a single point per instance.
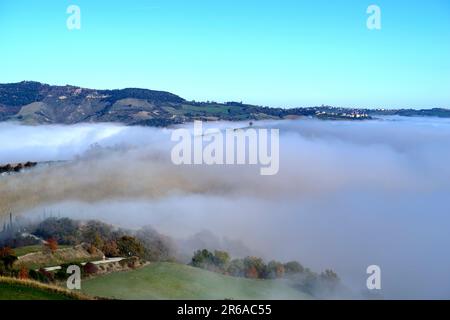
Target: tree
pixel 251 272
pixel 97 233
pixel 130 246
pixel 254 267
pixel 207 260
pixel 221 259
pixel 98 241
pixel 236 268
pixel 51 245
pixel 64 230
pixel 202 259
pixel 157 246
pixel 6 251
pixel 293 267
pixel 110 249
pixel 7 257
pixel 275 270
pixel 330 279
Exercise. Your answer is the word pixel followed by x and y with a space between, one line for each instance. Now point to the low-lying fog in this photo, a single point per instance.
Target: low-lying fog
pixel 348 194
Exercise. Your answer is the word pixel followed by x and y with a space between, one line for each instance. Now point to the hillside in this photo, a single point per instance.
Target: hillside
pixel 36 259
pixel 37 103
pixel 14 289
pixel 177 281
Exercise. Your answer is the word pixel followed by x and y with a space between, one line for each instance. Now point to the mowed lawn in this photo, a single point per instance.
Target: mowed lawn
pixel 178 281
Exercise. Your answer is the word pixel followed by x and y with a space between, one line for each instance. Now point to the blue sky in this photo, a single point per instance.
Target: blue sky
pixel 279 53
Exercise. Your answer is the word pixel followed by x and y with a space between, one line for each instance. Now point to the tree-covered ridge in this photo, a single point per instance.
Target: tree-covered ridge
pixel 37 103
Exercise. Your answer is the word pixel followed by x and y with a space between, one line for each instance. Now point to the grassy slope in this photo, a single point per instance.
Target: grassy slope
pixel 39 259
pixel 14 289
pixel 177 281
pixel 31 249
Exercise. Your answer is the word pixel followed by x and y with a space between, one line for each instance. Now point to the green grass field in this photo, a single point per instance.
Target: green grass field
pixel 14 289
pixel 178 281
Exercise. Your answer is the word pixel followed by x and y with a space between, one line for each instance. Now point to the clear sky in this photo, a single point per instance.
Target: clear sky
pixel 278 52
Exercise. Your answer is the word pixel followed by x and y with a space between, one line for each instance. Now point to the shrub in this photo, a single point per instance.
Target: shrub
pixel 23 273
pixel 90 268
pixel 61 274
pixel 46 276
pixel 129 262
pixel 6 251
pixel 51 245
pixel 35 275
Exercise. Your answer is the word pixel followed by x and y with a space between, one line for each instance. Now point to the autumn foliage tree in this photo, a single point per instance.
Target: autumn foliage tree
pixel 110 249
pixel 275 270
pixel 51 245
pixel 6 251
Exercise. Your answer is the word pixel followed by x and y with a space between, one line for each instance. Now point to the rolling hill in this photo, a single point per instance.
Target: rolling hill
pixel 178 281
pixel 32 102
pixel 37 103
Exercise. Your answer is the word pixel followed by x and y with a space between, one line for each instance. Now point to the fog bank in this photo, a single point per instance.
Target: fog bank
pixel 348 194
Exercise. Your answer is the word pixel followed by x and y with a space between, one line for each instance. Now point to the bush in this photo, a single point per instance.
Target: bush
pixel 51 245
pixel 23 273
pixel 35 275
pixel 61 274
pixel 46 276
pixel 129 262
pixel 90 268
